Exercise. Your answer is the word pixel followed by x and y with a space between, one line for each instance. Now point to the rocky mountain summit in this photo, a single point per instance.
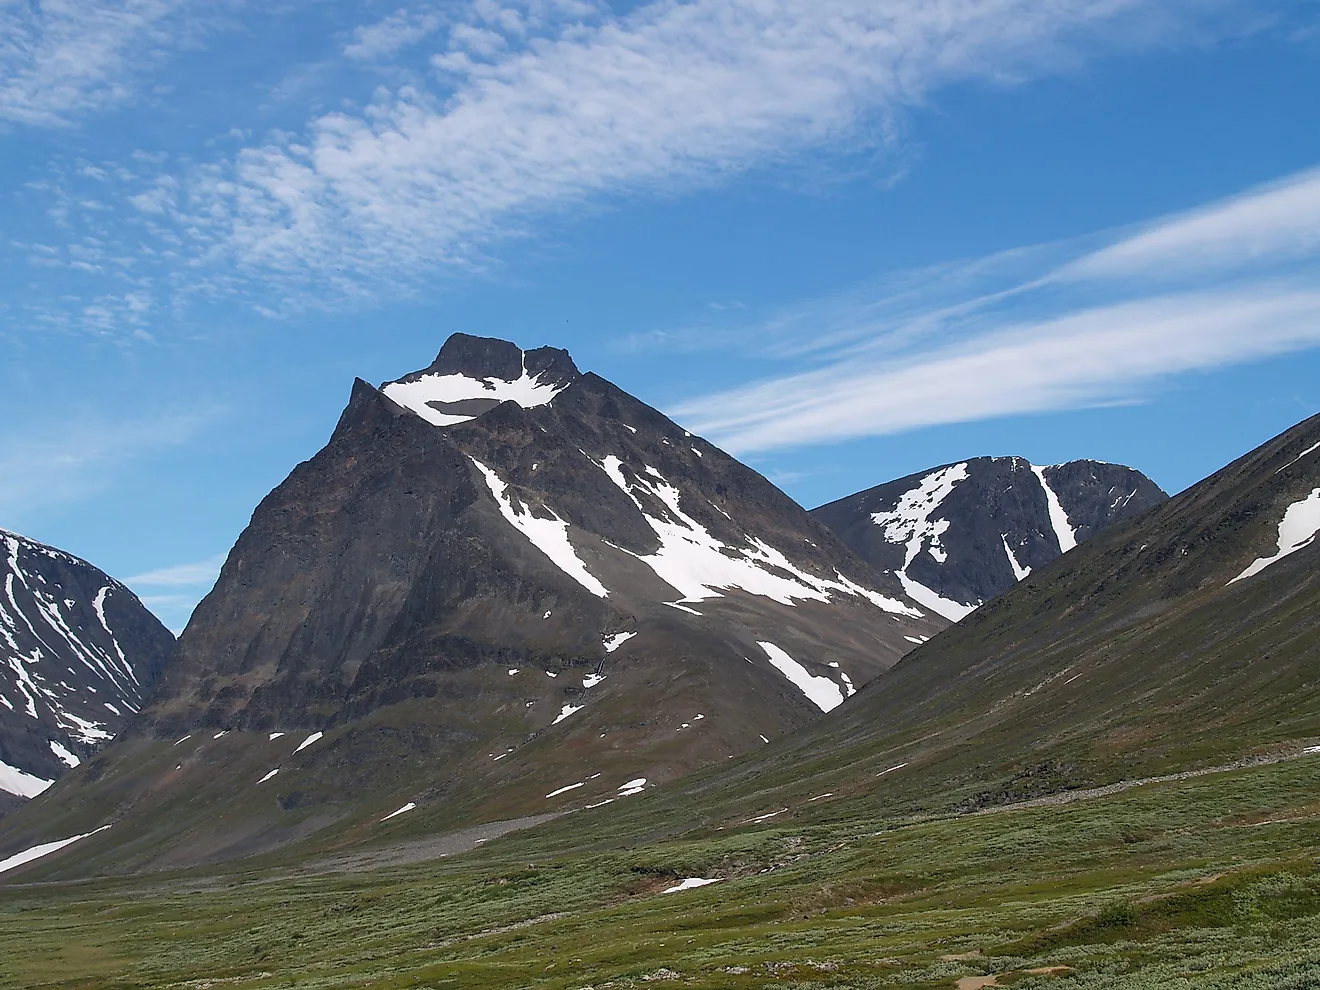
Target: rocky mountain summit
pixel 78 654
pixel 503 587
pixel 960 534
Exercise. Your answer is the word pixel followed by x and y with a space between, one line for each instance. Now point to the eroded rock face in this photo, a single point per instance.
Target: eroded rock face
pixel 78 655
pixel 961 534
pixel 501 573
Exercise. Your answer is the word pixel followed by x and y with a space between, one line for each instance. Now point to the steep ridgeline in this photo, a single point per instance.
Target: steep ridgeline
pixel 958 535
pixel 78 653
pixel 504 587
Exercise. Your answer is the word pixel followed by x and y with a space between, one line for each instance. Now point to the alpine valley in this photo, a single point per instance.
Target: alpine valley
pixel 503 589
pixel 518 684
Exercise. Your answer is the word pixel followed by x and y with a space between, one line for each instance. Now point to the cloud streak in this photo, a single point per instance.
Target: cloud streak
pixel 1232 282
pixel 1094 356
pixel 82 457
pixel 180 575
pixel 542 114
pixel 1277 222
pixel 61 58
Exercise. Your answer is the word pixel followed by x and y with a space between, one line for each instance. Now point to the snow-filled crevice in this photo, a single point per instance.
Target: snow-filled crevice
pixel 911 523
pixel 699 566
pixel 550 536
pixel 1019 572
pixel 1063 529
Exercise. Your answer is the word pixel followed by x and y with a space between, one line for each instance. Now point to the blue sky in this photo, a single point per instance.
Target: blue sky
pixel 846 239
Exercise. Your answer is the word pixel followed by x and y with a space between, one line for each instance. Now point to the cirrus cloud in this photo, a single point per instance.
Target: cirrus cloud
pixel 1231 282
pixel 537 116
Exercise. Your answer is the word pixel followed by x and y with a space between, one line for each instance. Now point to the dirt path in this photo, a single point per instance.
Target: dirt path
pixel 421 850
pixel 1067 797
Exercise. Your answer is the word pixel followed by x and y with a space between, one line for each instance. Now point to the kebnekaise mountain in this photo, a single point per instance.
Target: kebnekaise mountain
pixel 504 587
pixel 78 655
pixel 960 534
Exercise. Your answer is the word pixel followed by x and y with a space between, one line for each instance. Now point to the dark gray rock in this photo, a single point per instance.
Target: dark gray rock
pixel 78 655
pixel 968 531
pixel 569 580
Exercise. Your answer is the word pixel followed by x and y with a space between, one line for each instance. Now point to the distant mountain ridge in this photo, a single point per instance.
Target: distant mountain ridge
pixel 960 534
pixel 78 655
pixel 504 587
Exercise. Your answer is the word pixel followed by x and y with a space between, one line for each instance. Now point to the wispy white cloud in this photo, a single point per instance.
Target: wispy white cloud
pixel 1229 283
pixel 60 58
pixel 549 104
pixel 197 572
pixel 1094 356
pixel 1274 223
pixel 75 459
pixel 391 34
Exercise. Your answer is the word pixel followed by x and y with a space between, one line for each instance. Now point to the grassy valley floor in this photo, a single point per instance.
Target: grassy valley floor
pixel 1207 882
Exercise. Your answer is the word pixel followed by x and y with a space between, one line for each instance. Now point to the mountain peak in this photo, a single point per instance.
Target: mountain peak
pixel 472 375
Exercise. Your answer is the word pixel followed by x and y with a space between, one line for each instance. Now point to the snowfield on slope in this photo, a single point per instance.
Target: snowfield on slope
pixel 1297 529
pixel 698 566
pixel 910 523
pixel 528 391
pixel 550 536
pixel 821 691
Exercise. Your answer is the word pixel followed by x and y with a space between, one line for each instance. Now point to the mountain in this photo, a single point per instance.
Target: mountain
pixel 504 587
pixel 1187 637
pixel 960 534
pixel 78 654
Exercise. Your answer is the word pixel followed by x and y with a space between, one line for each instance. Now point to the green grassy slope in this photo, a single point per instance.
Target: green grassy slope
pixel 1208 882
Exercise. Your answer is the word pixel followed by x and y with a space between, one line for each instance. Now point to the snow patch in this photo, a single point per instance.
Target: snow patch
pixel 274 736
pixel 1308 450
pixel 69 759
pixel 1019 572
pixel 1063 529
pixel 308 741
pixel 698 566
pixel 617 640
pixel 20 782
pixel 1297 529
pixel 406 808
pixel 45 849
pixel 528 391
pixel 565 790
pixel 591 680
pixel 632 787
pixel 566 711
pixel 910 523
pixel 691 883
pixel 820 691
pixel 550 536
pixel 269 776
